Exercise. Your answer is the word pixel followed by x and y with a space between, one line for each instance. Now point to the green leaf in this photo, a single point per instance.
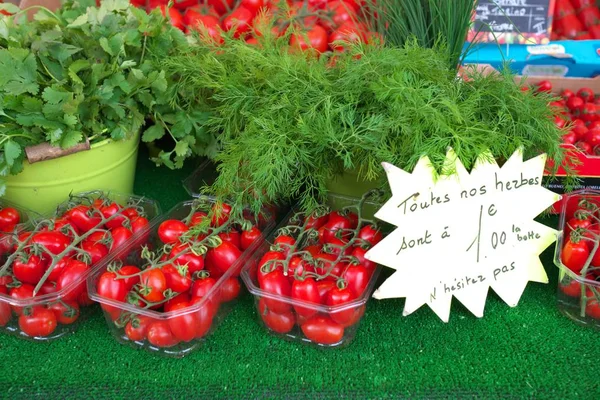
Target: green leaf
pixel 79 65
pixel 2 187
pixel 70 139
pixel 182 148
pixel 160 83
pixel 153 133
pixel 70 120
pixel 118 133
pixel 12 150
pixel 32 104
pixel 79 21
pixel 55 136
pixel 53 96
pixel 128 64
pixel 106 46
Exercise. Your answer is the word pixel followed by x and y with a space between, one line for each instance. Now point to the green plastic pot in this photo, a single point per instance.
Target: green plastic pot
pixel 350 185
pixel 108 165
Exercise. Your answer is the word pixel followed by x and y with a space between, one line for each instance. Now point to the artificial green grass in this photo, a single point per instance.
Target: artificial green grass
pixel 530 351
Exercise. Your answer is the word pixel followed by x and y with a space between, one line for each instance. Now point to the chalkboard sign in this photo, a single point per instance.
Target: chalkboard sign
pixel 529 19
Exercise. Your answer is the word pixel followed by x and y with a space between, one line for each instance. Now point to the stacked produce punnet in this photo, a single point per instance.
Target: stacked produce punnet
pixel 46 261
pixel 168 291
pixel 576 20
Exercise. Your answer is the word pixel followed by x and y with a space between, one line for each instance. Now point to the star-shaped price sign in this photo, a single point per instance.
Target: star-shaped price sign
pixel 460 233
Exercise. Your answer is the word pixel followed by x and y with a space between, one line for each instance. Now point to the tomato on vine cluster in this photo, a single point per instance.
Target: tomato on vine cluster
pixel 319 25
pixel 53 257
pixel 188 262
pixel 9 219
pixel 581 253
pixel 579 111
pixel 315 267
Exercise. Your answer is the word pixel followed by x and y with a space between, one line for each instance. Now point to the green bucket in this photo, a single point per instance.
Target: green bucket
pixel 349 185
pixel 108 165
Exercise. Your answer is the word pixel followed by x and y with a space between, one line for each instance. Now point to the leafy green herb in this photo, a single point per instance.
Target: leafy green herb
pixel 89 72
pixel 288 123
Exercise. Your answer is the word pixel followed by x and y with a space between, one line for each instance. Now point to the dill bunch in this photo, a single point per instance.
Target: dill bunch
pixel 288 123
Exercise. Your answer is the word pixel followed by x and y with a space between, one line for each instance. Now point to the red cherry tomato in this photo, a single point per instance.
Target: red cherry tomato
pixel 586 94
pixel 9 218
pixel 298 267
pixel 29 268
pixel 285 243
pixel 323 330
pixel 338 13
pixel 569 138
pixel 223 257
pixel 84 218
pixel 205 24
pixel 253 6
pixel 53 241
pixel 275 282
pixel 268 263
pixel 159 334
pixel 182 254
pixel 184 326
pixel 205 316
pixel 249 237
pixel 592 309
pixel 132 274
pixel 183 4
pixel 574 103
pixel 178 279
pixel 584 147
pixel 313 39
pixel 338 297
pixel 221 6
pixel 5 312
pixel 232 237
pixel 357 278
pixel 66 312
pixel 137 328
pixel 112 209
pixel 73 277
pixel 277 322
pixel 22 292
pixel 201 287
pixel 574 255
pixel 324 288
pixel 370 234
pixel 96 250
pixel 170 231
pixel 197 218
pixel 230 290
pixel 306 290
pixel 110 287
pixel 120 236
pixel 41 322
pixel 313 222
pixel 543 86
pixel 220 214
pixel 154 283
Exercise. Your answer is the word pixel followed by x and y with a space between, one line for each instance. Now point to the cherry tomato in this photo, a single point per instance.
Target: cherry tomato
pixel 220 214
pixel 66 312
pixel 586 94
pixel 223 257
pixel 96 250
pixel 41 322
pixel 230 290
pixel 277 322
pixel 58 268
pixel 53 241
pixel 9 218
pixel 584 147
pixel 357 278
pixel 5 312
pixel 201 287
pixel 338 297
pixel 313 222
pixel 178 279
pixel 338 12
pixel 313 39
pixel 359 253
pixel 183 4
pixel 84 300
pixel 120 236
pixel 335 223
pixel 108 211
pixel 574 103
pixel 83 217
pixel 569 138
pixel 313 250
pixel 136 329
pixel 180 298
pixel 170 231
pixel 271 258
pixel 197 218
pixel 73 277
pixel 567 94
pixel 205 316
pixel 592 309
pixel 110 287
pixel 593 137
pixel 184 326
pixel 232 237
pixel 574 255
pixel 159 334
pixel 587 112
pixel 206 24
pixel 249 237
pixel 139 224
pixel 581 220
pixel 323 330
pixel 543 86
pixel 154 284
pixel 327 266
pixel 221 6
pixel 47 288
pixel 350 33
pixel 335 246
pixel 182 254
pixel 370 234
pixel 324 288
pixel 298 267
pixel 253 6
pixel 285 243
pixel 275 282
pixel 29 268
pixel 132 272
pixel 306 290
pixel 22 292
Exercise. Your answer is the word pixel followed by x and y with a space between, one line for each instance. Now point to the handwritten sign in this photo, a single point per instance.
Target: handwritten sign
pixel 507 20
pixel 459 234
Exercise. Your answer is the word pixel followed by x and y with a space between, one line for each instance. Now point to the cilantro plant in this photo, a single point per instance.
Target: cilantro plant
pixel 91 72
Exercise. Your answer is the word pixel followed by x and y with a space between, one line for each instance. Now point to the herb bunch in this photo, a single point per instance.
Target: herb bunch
pixel 288 123
pixel 90 72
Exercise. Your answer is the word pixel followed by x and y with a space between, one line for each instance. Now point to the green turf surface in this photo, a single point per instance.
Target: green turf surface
pixel 530 351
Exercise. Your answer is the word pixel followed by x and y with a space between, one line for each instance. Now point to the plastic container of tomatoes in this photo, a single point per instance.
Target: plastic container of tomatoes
pixel 577 256
pixel 44 270
pixel 12 219
pixel 310 281
pixel 167 293
pixel 204 175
